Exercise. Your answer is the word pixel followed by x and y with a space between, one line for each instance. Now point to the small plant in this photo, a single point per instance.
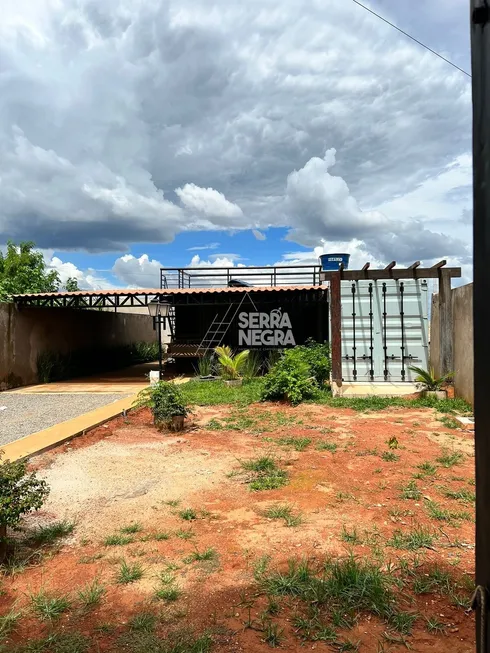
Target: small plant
pixel 159 537
pixel 50 533
pixel 434 626
pixel 449 422
pixel 183 534
pixel 205 365
pixel 205 556
pixel 326 446
pixel 165 400
pixel 188 514
pixel 411 491
pixel 298 444
pixel 449 459
pixel 118 540
pixel 272 634
pixel 429 380
pixel 168 593
pixel 418 538
pixel 427 469
pixel 142 622
pixel 131 528
pixel 351 537
pixel 20 494
pixel 435 511
pixel 390 457
pixel 285 512
pixel 91 594
pixel 266 475
pixel 231 366
pixel 403 622
pixel 129 573
pixel 463 495
pixel 253 365
pixel 392 442
pixel 9 621
pixel 48 606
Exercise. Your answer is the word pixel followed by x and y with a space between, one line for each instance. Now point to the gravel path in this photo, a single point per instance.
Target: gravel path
pixel 28 413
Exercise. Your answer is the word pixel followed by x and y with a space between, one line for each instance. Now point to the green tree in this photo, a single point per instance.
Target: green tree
pixel 71 285
pixel 20 493
pixel 23 270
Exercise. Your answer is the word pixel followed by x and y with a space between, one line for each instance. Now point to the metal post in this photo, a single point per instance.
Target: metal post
pixel 480 55
pixel 160 319
pixel 445 323
pixel 336 324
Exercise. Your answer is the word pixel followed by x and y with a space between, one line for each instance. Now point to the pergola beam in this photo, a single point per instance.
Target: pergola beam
pixel 393 273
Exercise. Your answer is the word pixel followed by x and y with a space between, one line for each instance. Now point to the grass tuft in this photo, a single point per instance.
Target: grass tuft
pixel 390 457
pixel 187 514
pixel 207 555
pixel 129 573
pixel 50 533
pixel 131 528
pixel 285 512
pixel 449 459
pixel 326 446
pixel 49 606
pixel 298 444
pixel 265 474
pixel 91 595
pixel 411 491
pixel 418 538
pixel 351 537
pixel 118 540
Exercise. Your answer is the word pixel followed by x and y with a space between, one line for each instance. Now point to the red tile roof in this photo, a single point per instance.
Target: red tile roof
pixel 166 291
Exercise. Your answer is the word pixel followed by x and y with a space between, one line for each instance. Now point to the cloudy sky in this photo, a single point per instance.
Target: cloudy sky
pixel 140 133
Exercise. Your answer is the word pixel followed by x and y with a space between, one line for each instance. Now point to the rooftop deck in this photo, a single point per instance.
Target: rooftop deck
pixel 216 277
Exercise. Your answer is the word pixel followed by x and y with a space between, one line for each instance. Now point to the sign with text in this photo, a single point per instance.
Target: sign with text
pixel 265 329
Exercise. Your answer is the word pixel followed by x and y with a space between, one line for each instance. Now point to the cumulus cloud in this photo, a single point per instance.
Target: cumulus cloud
pixel 126 122
pixel 208 201
pixel 87 280
pixel 141 272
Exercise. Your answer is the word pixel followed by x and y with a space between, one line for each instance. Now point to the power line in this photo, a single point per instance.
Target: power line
pixel 413 38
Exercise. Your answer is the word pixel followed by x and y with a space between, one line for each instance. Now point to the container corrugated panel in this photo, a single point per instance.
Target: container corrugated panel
pixel 384 329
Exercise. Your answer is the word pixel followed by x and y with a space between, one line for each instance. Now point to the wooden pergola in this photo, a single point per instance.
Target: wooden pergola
pixel 438 271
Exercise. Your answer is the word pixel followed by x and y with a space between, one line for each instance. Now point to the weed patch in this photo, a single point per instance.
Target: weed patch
pixel 284 512
pixel 265 474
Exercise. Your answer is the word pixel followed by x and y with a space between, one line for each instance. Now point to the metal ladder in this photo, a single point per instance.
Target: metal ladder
pixel 218 329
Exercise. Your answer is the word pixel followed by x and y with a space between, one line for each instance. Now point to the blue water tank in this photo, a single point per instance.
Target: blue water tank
pixel 331 262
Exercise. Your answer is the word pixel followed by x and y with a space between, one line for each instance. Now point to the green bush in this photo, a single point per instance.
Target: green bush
pixel 317 356
pixel 165 400
pixel 299 373
pixel 289 379
pixel 20 493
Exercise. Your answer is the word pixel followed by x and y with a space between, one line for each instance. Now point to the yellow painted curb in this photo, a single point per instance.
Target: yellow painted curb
pixel 59 433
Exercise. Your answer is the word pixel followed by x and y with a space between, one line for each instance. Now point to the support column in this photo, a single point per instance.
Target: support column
pixel 445 323
pixel 335 333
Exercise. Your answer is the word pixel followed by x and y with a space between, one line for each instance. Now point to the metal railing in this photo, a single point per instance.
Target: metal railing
pixel 211 277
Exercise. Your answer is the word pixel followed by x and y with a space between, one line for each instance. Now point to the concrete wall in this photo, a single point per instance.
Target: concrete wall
pixel 462 312
pixel 27 332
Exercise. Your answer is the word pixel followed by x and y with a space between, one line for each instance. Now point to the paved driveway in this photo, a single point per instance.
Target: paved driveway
pixel 23 413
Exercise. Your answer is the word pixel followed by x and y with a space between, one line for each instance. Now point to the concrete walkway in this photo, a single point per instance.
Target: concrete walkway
pixel 39 417
pixel 128 380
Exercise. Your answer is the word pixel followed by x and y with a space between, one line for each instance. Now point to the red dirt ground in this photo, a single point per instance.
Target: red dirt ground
pixel 92 480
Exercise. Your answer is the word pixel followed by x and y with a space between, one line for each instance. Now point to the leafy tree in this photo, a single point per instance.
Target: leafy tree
pixel 23 270
pixel 71 284
pixel 20 493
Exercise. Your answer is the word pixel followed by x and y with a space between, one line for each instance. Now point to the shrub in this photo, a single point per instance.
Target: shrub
pixel 165 400
pixel 20 493
pixel 231 365
pixel 289 379
pixel 317 357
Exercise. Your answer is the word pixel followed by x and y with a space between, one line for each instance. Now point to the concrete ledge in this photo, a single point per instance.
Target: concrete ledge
pixel 55 435
pixel 368 389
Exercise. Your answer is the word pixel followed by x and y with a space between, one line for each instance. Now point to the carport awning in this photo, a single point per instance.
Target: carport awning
pixel 134 297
